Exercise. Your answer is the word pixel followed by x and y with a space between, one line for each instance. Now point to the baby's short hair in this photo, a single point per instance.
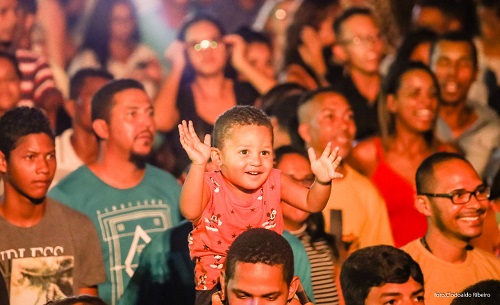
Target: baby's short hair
pixel 236 117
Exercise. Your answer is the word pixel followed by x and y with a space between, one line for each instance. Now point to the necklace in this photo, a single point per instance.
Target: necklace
pixel 425 244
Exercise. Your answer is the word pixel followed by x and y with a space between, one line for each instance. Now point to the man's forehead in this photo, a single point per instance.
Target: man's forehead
pixel 453 172
pixel 451 46
pixel 330 100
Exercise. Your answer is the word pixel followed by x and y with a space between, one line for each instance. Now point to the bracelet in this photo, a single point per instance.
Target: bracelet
pixel 324 183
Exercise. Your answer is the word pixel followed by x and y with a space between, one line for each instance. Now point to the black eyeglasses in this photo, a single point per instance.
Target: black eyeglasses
pixel 482 192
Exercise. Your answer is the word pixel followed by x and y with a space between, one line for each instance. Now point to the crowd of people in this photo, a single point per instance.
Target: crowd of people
pixel 341 152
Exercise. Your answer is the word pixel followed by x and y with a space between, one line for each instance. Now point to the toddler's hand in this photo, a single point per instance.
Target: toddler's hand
pixel 324 167
pixel 197 151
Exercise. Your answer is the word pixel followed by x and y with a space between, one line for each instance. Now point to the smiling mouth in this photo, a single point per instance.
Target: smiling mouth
pixel 470 218
pixel 253 173
pixel 451 87
pixel 425 114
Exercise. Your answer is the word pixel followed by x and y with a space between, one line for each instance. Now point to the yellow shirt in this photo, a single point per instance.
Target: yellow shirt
pixel 443 280
pixel 364 213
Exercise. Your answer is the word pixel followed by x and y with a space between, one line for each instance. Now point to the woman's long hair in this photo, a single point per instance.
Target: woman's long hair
pixel 390 86
pixel 98 33
pixel 189 74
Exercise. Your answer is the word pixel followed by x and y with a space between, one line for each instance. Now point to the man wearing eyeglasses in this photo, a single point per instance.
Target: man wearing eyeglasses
pixel 454 199
pixel 359 47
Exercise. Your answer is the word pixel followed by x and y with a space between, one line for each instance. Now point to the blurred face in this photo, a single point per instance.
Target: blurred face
pixel 409 293
pixel 457 221
pixel 415 103
pixel 31 167
pixel 246 158
pixel 258 284
pixel 206 51
pixel 122 22
pixel 9 14
pixel 489 24
pixel 325 30
pixel 82 116
pixel 453 64
pixel 430 18
pixel 362 46
pixel 260 57
pixel 131 128
pixel 330 120
pixel 421 53
pixel 298 168
pixel 10 89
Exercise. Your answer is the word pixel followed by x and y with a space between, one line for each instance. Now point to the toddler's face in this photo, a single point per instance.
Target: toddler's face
pixel 246 159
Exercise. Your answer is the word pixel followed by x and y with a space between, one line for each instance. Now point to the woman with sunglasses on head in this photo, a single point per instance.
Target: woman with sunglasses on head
pixel 200 85
pixel 407 114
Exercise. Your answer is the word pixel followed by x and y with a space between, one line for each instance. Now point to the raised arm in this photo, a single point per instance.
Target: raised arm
pixel 313 200
pixel 166 112
pixel 194 194
pixel 259 80
pixel 311 52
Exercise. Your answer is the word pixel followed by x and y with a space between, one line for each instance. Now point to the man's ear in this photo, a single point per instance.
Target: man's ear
pixel 3 163
pixel 294 285
pixel 101 128
pixel 215 155
pixel 69 106
pixel 303 131
pixel 423 205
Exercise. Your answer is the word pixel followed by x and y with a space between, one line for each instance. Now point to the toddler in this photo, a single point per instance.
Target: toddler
pixel 245 192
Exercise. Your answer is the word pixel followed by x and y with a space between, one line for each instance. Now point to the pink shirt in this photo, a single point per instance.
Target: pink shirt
pixel 224 218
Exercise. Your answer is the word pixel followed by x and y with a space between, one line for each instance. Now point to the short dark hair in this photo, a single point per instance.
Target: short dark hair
pixel 235 117
pixel 282 103
pixel 411 41
pixel 11 58
pixel 19 122
pixel 281 151
pixel 486 287
pixel 348 13
pixel 373 267
pixel 251 36
pixel 425 171
pixel 260 245
pixel 457 36
pixel 103 99
pixel 78 80
pixel 83 299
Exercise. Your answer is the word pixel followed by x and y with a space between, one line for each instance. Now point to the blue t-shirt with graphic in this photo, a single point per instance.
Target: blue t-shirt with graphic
pixel 126 219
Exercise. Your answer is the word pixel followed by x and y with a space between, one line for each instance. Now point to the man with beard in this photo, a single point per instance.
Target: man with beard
pixel 325 116
pixel 454 199
pixel 128 200
pixel 474 128
pixel 45 247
